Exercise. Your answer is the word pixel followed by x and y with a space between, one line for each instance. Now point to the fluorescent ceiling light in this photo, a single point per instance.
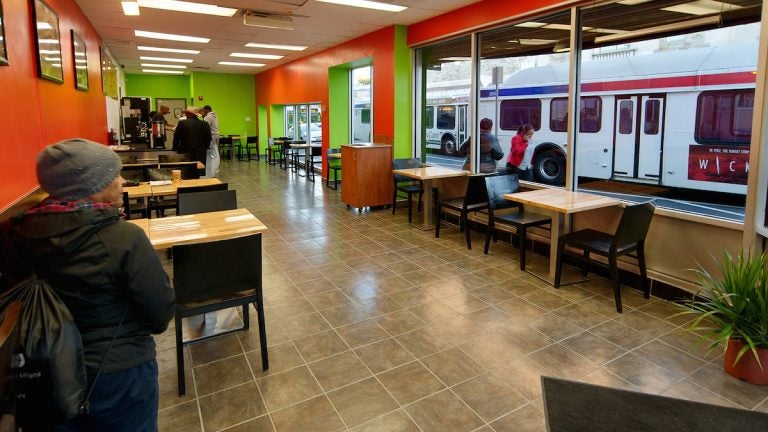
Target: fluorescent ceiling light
pixel 163 66
pixel 228 63
pixel 185 6
pixel 558 26
pixel 531 24
pixel 130 8
pixel 447 59
pixel 368 4
pixel 702 7
pixel 166 59
pixel 660 29
pixel 536 41
pixel 170 50
pixel 50 52
pixel 273 21
pixel 162 71
pixel 257 56
pixel 633 2
pixel 273 46
pixel 47 41
pixel 167 36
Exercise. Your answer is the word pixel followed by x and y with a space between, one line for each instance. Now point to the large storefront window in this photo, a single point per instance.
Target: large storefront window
pixel 362 93
pixel 304 122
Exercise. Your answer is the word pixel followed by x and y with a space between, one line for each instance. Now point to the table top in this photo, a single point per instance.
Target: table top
pixel 561 200
pixel 431 172
pixel 166 232
pixel 334 155
pixel 146 190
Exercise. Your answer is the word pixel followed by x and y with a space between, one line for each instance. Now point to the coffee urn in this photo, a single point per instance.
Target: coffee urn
pixel 157 137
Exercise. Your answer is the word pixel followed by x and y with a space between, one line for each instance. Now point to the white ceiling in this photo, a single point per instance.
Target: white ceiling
pixel 317 25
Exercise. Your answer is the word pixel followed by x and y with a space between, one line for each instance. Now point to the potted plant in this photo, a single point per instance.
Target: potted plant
pixel 733 311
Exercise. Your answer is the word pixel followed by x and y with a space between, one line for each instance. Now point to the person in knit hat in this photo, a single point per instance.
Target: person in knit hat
pixel 106 272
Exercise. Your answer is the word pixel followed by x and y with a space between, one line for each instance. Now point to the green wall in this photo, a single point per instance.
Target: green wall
pixel 338 106
pixel 157 86
pixel 402 83
pixel 276 124
pixel 231 96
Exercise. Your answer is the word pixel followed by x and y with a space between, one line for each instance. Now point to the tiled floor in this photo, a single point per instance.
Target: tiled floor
pixel 377 326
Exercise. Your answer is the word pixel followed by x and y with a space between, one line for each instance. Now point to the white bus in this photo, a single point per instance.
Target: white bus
pixel 679 119
pixel 445 121
pixel 361 122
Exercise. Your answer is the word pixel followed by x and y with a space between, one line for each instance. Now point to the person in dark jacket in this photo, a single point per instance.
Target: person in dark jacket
pixel 105 270
pixel 490 151
pixel 192 136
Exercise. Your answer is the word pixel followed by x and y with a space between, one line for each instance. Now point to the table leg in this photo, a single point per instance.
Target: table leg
pixel 427 222
pixel 569 275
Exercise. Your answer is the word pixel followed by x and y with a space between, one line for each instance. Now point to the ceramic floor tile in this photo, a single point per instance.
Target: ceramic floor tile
pixel 452 366
pixel 287 388
pixel 563 362
pixel 399 322
pixel 714 378
pixel 362 333
pixel 259 424
pixel 421 342
pixel 396 421
pixel 442 412
pixel 525 419
pixel 669 357
pixel 222 374
pixel 593 347
pixel 179 417
pixel 339 370
pixel 410 382
pixel 215 349
pixel 362 401
pixel 384 355
pixel 303 325
pixel 320 345
pixel 316 415
pixel 648 376
pixel 169 395
pixel 232 406
pixel 281 357
pixel 488 397
pixel 621 335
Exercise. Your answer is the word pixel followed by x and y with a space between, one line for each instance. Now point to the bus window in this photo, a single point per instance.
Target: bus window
pixel 591 108
pixel 517 112
pixel 652 115
pixel 626 110
pixel 446 117
pixel 724 116
pixel 429 118
pixel 365 116
pixel 558 112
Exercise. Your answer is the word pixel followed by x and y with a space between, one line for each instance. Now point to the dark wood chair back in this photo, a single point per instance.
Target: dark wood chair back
pixel 204 202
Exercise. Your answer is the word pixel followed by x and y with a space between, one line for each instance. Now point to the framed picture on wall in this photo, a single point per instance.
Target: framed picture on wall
pixel 80 61
pixel 108 74
pixel 48 42
pixel 3 51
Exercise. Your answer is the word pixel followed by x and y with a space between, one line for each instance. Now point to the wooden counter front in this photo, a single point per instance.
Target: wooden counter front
pixel 367 171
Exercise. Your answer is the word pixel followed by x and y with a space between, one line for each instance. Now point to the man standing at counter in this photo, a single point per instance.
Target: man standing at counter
pixel 192 136
pixel 212 160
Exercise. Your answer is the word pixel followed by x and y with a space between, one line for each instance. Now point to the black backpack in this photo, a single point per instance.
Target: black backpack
pixel 49 365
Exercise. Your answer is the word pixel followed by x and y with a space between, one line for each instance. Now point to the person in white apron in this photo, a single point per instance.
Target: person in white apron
pixel 212 160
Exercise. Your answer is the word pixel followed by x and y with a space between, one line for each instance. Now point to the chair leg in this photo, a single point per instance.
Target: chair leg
pixel 437 220
pixel 615 279
pixel 246 318
pixel 410 207
pixel 394 200
pixel 643 270
pixel 467 232
pixel 180 356
pixel 262 333
pixel 521 237
pixel 559 263
pixel 585 263
pixel 488 232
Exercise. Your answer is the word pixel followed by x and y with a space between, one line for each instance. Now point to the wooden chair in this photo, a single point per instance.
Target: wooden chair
pixel 496 187
pixel 475 198
pixel 225 147
pixel 333 165
pixel 248 141
pixel 204 202
pixel 135 208
pixel 629 237
pixel 406 185
pixel 199 290
pixel 315 157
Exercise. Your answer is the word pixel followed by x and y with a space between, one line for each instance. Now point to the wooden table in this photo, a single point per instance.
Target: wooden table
pixel 427 174
pixel 148 190
pixel 560 202
pixel 169 231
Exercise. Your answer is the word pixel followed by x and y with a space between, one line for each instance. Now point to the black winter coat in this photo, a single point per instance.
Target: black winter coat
pixel 101 266
pixel 193 137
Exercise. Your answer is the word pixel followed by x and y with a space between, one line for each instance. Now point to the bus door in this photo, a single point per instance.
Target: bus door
pixel 637 139
pixel 462 129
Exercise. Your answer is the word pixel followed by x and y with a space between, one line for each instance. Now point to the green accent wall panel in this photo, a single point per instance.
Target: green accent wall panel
pixel 276 124
pixel 232 98
pixel 338 106
pixel 402 83
pixel 157 86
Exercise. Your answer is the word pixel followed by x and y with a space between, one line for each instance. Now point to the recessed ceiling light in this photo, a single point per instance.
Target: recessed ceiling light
pixel 702 7
pixel 130 8
pixel 273 46
pixel 455 59
pixel 227 63
pixel 163 66
pixel 166 59
pixel 633 2
pixel 531 24
pixel 162 71
pixel 368 4
pixel 185 6
pixel 257 56
pixel 167 36
pixel 171 50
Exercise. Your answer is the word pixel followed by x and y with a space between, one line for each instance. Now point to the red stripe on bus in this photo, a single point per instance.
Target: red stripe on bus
pixel 682 81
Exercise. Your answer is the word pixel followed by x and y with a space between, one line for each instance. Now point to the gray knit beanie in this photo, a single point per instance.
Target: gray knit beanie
pixel 76 168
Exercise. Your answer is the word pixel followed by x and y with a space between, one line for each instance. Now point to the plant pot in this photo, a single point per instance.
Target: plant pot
pixel 747 368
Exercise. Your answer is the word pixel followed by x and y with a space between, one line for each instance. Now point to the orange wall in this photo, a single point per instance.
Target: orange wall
pixel 475 16
pixel 306 79
pixel 39 112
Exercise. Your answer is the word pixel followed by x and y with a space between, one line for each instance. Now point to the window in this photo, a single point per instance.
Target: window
pixel 429 116
pixel 626 116
pixel 591 107
pixel 515 113
pixel 446 117
pixel 361 90
pixel 724 116
pixel 652 116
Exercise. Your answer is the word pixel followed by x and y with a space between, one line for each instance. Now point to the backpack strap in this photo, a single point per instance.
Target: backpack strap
pixel 85 404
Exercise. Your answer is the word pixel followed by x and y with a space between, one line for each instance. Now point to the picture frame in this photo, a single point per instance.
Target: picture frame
pixel 47 42
pixel 79 61
pixel 3 50
pixel 108 74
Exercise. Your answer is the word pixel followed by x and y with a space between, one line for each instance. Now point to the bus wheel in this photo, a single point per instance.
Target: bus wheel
pixel 549 168
pixel 448 146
